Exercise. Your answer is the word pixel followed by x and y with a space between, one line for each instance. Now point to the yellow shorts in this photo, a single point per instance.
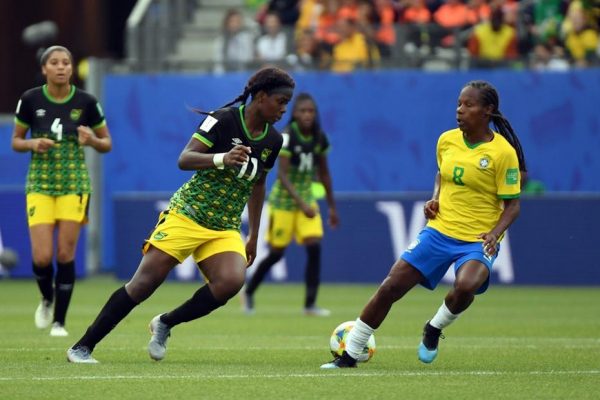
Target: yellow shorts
pixel 180 237
pixel 284 224
pixel 46 209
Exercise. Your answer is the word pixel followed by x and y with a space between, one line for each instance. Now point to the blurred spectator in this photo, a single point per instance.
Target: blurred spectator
pixel 493 43
pixel 547 18
pixel 452 17
pixel 234 49
pixel 353 51
pixel 385 33
pixel 327 31
pixel 416 16
pixel 287 10
pixel 272 45
pixel 310 11
pixel 479 11
pixel 581 42
pixel 547 57
pixel 308 52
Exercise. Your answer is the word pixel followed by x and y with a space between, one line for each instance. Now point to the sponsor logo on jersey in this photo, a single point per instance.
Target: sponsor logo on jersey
pixel 265 154
pixel 76 114
pixel 208 123
pixel 235 141
pixel 40 113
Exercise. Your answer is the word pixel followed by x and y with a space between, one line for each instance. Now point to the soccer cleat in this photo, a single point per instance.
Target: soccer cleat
pixel 43 314
pixel 247 303
pixel 58 330
pixel 317 311
pixel 428 348
pixel 157 347
pixel 345 361
pixel 80 355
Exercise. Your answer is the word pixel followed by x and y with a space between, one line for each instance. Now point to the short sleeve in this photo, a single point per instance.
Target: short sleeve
pixel 508 176
pixel 208 130
pixel 23 113
pixel 277 147
pixel 438 152
pixel 323 146
pixel 95 113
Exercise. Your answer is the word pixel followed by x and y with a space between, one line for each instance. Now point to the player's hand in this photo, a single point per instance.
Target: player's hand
pixel 333 219
pixel 431 209
pixel 41 145
pixel 250 251
pixel 490 241
pixel 308 211
pixel 85 135
pixel 237 156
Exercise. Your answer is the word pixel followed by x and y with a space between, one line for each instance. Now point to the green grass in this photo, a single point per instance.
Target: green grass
pixel 514 343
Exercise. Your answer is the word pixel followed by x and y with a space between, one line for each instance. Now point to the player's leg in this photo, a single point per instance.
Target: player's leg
pixel 401 278
pixel 309 232
pixel 40 218
pixel 225 273
pixel 279 235
pixel 152 271
pixel 70 212
pixel 472 277
pixel 67 237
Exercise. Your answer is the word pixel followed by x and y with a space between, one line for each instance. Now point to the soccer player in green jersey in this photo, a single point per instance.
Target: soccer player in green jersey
pixel 475 200
pixel 62 120
pixel 231 151
pixel 293 210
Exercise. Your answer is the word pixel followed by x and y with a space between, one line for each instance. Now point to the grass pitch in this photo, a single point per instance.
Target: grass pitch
pixel 514 343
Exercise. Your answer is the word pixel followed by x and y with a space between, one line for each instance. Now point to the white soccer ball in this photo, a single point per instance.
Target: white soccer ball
pixel 337 342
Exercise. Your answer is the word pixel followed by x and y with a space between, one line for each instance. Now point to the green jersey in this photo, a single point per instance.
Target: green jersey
pixel 62 169
pixel 303 152
pixel 215 198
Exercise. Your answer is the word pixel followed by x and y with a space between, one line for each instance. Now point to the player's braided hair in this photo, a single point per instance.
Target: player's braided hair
pixel 316 127
pixel 48 52
pixel 266 79
pixel 489 96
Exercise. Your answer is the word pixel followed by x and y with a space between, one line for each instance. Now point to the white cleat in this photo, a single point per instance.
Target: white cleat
pixel 58 330
pixel 43 314
pixel 157 347
pixel 80 355
pixel 317 311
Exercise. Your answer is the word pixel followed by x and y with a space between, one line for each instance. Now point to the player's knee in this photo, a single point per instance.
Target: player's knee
pixel 42 258
pixel 466 288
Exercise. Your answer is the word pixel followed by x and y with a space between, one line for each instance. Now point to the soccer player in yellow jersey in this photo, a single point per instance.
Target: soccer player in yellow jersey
pixel 476 198
pixel 231 153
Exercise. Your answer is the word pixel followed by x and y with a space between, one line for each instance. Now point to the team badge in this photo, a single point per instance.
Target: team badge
pixel 31 211
pixel 412 245
pixel 484 162
pixel 76 114
pixel 265 154
pixel 160 235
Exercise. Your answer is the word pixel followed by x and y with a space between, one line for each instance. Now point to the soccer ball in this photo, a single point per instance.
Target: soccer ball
pixel 337 342
pixel 8 258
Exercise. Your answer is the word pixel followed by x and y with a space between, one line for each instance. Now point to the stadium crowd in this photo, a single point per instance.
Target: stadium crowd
pixel 343 35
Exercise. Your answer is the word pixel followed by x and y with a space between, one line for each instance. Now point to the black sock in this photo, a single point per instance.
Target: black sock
pixel 116 308
pixel 43 275
pixel 312 274
pixel 201 304
pixel 261 270
pixel 63 288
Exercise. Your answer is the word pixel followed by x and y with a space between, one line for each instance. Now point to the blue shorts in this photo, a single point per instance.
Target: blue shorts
pixel 432 253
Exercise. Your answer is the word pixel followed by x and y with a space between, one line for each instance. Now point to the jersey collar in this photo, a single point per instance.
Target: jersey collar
pixel 247 132
pixel 53 100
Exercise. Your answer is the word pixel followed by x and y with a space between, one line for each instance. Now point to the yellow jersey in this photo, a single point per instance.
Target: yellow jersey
pixel 475 179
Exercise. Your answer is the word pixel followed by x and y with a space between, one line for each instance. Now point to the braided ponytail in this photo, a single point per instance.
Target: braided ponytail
pixel 489 96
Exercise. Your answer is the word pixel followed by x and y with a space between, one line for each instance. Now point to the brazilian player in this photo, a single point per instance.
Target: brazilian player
pixel 62 120
pixel 293 210
pixel 476 198
pixel 231 151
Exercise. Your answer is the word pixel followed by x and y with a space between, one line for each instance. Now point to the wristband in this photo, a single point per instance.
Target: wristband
pixel 218 160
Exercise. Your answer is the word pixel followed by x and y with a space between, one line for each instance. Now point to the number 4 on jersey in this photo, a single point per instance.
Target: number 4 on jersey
pixel 57 129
